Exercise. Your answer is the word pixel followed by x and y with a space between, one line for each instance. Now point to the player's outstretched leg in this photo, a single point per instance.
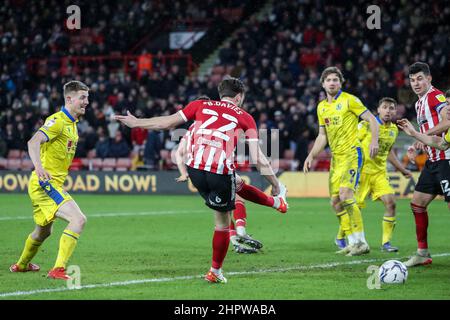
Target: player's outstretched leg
pixel 71 213
pixel 32 245
pixel 253 194
pixel 220 243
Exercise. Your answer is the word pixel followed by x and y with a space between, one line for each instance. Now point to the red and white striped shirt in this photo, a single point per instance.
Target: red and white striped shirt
pixel 214 135
pixel 427 109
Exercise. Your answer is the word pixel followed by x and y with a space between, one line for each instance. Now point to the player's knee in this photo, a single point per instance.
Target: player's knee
pixel 391 206
pixel 81 220
pixel 345 195
pixel 42 234
pixel 417 208
pixel 335 205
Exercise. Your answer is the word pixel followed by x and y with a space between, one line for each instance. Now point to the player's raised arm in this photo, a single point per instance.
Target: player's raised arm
pixel 432 141
pixel 319 144
pixel 155 123
pixel 374 129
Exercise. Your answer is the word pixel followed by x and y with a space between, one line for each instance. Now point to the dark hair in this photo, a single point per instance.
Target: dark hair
pixel 417 67
pixel 74 86
pixel 230 87
pixel 387 99
pixel 203 97
pixel 447 93
pixel 331 70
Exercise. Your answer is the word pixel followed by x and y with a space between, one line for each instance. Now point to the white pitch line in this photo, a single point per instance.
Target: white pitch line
pixel 115 214
pixel 141 281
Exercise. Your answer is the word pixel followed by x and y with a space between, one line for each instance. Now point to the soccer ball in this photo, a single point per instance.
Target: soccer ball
pixel 393 271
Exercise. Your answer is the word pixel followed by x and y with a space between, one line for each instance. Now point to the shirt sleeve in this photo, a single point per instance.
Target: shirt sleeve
pixel 437 101
pixel 188 112
pixel 447 137
pixel 52 128
pixel 251 132
pixel 363 130
pixel 356 106
pixel 319 117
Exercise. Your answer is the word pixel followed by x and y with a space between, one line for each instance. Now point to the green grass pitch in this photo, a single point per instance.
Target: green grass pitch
pixel 163 244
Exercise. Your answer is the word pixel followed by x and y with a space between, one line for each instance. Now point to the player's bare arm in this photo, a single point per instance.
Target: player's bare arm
pixel 319 144
pixel 180 156
pixel 155 123
pixel 34 150
pixel 432 141
pixel 368 116
pixel 392 157
pixel 263 165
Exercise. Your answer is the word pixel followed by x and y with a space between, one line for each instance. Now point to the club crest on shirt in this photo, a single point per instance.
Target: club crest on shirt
pixel 49 123
pixel 339 107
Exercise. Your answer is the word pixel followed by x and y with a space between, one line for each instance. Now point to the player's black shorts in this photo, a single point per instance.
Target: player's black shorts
pixel 435 178
pixel 218 190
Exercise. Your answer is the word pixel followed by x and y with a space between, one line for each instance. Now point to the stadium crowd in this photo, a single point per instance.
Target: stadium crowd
pixel 279 57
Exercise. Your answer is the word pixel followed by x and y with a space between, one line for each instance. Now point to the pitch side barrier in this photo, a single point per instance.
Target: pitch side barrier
pixel 314 184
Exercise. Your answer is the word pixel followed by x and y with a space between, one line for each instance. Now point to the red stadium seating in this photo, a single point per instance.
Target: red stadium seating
pixel 14 164
pixel 27 165
pixel 123 164
pixel 77 164
pixel 95 164
pixel 109 164
pixel 3 163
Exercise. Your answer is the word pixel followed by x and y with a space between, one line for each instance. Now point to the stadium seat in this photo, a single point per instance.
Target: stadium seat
pixel 14 164
pixel 109 164
pixel 123 164
pixel 27 165
pixel 77 164
pixel 14 154
pixel 95 164
pixel 3 163
pixel 85 163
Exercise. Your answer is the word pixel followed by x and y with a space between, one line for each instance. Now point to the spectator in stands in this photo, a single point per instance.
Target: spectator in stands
pixel 152 149
pixel 22 136
pixel 301 152
pixel 138 138
pixel 91 138
pixel 118 148
pixel 102 146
